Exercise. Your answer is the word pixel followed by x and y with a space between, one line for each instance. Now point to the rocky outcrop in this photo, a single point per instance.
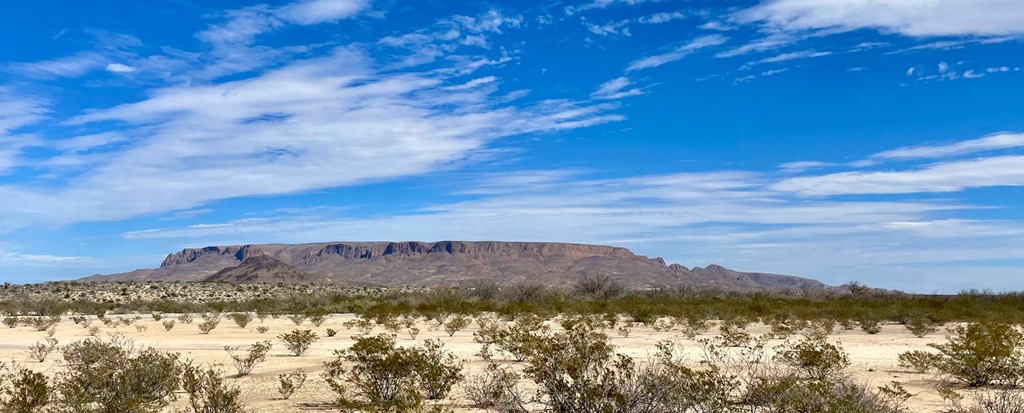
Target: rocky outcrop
pixel 444 263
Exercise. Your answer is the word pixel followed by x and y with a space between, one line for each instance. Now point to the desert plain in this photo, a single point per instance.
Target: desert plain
pixel 873 358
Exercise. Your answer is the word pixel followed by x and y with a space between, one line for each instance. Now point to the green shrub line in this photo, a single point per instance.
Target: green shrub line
pixel 862 309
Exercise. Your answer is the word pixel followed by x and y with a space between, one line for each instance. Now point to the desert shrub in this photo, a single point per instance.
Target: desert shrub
pixel 168 325
pixel 385 376
pixel 210 322
pixel 413 332
pixel 870 324
pixel 185 318
pixel 79 319
pixel 24 391
pixel 575 371
pixel 318 316
pixel 919 361
pixel 299 341
pixel 93 330
pixel 331 332
pixel 822 327
pixel 157 316
pixel 382 378
pixel 262 329
pixel 921 326
pixel 733 336
pixel 783 324
pixel 455 324
pixel 241 319
pixel 782 393
pixel 12 321
pixel 1004 400
pixel 289 383
pixel 207 392
pixel 245 363
pixel 297 319
pixel 42 323
pixel 42 349
pixel 979 354
pixel 438 370
pixel 694 323
pixel 495 388
pixel 110 377
pixel 814 357
pixel 601 287
pixel 141 328
pixel 516 340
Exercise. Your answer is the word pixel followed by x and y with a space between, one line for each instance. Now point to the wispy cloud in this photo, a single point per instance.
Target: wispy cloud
pixel 985 144
pixel 318 123
pixel 616 89
pixel 678 52
pixel 952 176
pixel 917 18
pixel 663 17
pixel 601 4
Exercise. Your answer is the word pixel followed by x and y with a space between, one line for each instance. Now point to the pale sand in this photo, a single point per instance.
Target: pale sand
pixel 873 357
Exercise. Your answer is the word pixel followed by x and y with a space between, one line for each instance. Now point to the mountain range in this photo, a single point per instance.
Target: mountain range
pixel 445 264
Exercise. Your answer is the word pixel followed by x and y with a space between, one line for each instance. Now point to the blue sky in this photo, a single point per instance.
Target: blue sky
pixel 879 141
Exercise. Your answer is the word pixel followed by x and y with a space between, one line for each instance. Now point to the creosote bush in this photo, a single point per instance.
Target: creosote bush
pixel 210 322
pixel 977 354
pixel 244 363
pixel 42 349
pixel 241 319
pixel 114 376
pixel 386 377
pixel 299 341
pixel 23 391
pixel 289 383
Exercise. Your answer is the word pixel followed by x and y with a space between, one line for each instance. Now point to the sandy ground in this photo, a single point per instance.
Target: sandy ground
pixel 873 357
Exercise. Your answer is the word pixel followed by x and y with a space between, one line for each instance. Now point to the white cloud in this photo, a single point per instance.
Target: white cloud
pixel 40 260
pixel 16 111
pixel 321 11
pixel 950 176
pixel 313 124
pixel 677 53
pixel 601 4
pixel 659 18
pixel 769 42
pixel 475 83
pixel 988 143
pixel 76 65
pixel 917 18
pixel 120 68
pixel 611 28
pixel 801 166
pixel 616 89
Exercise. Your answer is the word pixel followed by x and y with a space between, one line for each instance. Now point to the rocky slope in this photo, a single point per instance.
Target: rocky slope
pixel 445 263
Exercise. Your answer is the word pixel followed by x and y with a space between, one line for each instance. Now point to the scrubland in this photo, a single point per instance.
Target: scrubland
pixel 523 348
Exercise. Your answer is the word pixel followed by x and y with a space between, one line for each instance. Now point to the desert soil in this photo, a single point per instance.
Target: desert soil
pixel 873 357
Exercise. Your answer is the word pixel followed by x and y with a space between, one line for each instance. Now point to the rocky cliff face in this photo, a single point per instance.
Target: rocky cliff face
pixel 445 263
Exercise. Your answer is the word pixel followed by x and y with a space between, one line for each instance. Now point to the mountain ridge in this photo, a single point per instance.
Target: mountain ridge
pixel 445 263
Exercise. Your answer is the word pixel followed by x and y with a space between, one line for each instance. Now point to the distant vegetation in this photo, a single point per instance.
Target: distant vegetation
pixel 858 306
